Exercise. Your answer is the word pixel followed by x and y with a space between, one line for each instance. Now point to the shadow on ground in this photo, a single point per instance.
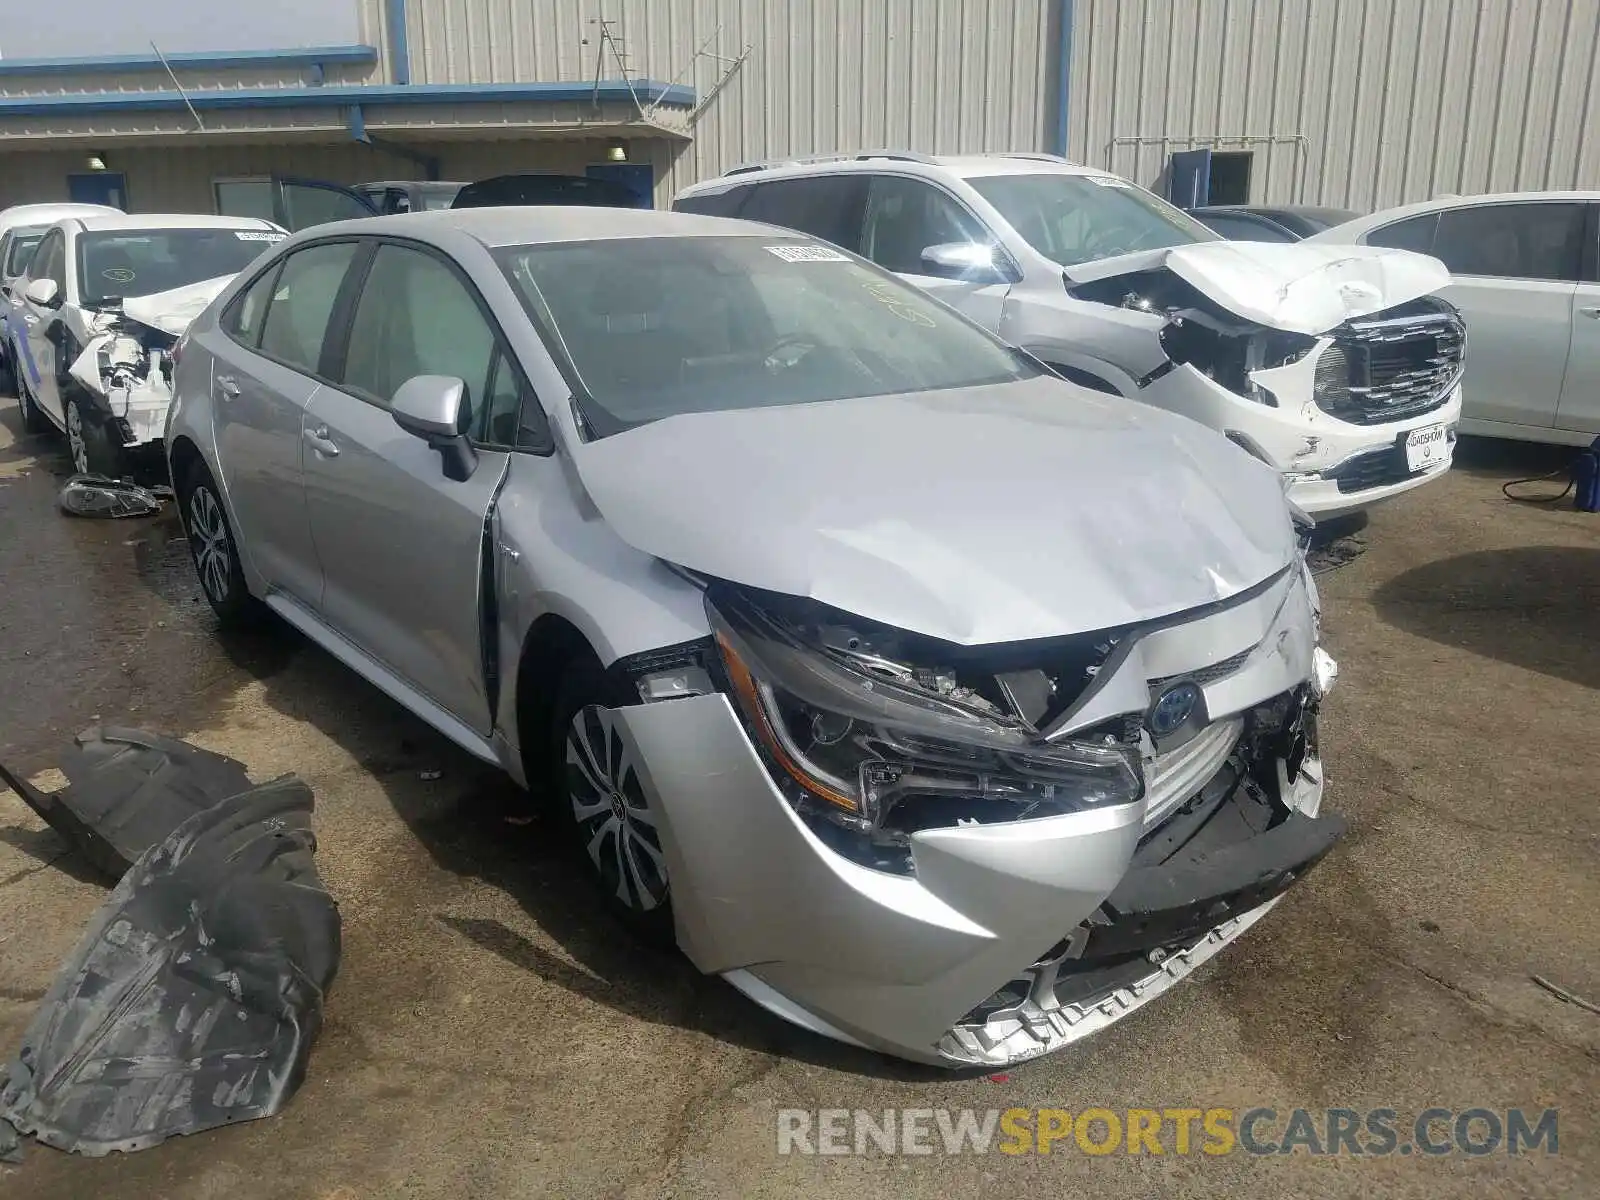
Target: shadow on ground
pixel 1531 606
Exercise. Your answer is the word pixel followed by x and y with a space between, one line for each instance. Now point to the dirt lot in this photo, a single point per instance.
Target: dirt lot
pixel 492 1033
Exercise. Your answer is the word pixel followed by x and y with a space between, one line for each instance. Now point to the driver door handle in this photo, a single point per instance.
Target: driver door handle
pixel 1591 311
pixel 321 442
pixel 228 386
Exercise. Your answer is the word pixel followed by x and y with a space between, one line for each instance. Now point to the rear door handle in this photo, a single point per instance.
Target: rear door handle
pixel 228 385
pixel 30 318
pixel 321 442
pixel 1591 311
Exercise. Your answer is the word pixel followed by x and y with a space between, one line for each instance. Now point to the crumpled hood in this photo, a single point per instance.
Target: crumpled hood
pixel 978 515
pixel 1300 287
pixel 172 311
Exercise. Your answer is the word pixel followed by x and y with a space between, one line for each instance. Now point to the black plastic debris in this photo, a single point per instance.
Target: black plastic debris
pixel 102 496
pixel 196 993
pixel 127 791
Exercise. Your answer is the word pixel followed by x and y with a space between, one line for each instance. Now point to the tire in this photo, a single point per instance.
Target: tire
pixel 89 442
pixel 215 550
pixel 602 805
pixel 33 421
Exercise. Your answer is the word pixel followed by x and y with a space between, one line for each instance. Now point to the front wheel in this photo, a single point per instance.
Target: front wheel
pixel 90 442
pixel 214 549
pixel 33 421
pixel 602 803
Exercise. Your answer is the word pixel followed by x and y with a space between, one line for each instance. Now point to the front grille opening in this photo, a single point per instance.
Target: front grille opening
pixel 1396 364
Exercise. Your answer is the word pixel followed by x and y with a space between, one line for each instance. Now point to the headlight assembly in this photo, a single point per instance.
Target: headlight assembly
pixel 874 751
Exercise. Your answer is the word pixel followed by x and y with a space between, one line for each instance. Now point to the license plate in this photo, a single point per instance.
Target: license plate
pixel 1427 447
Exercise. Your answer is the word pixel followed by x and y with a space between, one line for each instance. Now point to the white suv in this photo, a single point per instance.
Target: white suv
pixel 1334 364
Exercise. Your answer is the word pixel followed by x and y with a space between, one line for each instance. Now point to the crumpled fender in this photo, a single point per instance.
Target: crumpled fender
pixel 196 993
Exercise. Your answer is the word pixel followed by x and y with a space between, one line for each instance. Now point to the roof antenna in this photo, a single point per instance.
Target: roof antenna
pixel 201 125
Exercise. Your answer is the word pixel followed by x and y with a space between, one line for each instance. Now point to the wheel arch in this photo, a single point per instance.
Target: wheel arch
pixel 551 644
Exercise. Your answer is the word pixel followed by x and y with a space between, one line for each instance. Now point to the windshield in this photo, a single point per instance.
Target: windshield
pixel 1082 218
pixel 141 262
pixel 653 327
pixel 20 252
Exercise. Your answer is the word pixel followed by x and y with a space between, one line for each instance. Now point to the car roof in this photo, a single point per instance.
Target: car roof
pixel 962 166
pixel 437 184
pixel 108 223
pixel 516 225
pixel 1441 203
pixel 48 214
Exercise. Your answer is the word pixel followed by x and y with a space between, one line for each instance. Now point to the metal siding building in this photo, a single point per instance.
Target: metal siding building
pixel 735 79
pixel 1358 104
pixel 1355 103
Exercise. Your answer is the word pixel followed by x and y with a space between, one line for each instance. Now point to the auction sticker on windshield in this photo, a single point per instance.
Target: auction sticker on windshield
pixel 1427 447
pixel 807 254
pixel 258 235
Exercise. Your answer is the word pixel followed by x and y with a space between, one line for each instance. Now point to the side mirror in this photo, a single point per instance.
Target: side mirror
pixel 429 407
pixel 971 261
pixel 43 292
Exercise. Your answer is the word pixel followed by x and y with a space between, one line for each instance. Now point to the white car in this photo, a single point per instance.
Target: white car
pixel 1338 367
pixel 98 312
pixel 21 227
pixel 1525 275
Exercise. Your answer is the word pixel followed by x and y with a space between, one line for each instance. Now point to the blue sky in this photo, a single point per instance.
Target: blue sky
pixel 30 29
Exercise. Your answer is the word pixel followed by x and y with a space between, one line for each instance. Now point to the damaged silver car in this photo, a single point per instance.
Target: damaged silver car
pixel 940 705
pixel 97 315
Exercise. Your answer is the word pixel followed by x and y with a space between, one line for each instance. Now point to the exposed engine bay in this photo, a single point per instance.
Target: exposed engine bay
pixel 1220 345
pixel 127 359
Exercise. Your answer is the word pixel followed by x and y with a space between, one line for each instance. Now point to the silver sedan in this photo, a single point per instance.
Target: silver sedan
pixel 942 706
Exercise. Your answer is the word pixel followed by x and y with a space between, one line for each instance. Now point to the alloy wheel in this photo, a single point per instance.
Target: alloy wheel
pixel 616 824
pixel 208 539
pixel 75 440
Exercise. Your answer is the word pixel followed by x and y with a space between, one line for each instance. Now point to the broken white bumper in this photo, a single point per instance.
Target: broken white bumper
pixel 1330 467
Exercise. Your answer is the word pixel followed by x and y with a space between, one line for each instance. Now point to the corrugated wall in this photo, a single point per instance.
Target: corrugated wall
pixel 945 76
pixel 1357 103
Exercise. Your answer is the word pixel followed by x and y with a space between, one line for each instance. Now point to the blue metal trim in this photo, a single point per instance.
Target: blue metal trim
pixel 370 95
pixel 1065 16
pixel 399 53
pixel 358 124
pixel 209 59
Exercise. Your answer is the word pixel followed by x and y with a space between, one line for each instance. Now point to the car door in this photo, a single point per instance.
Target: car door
pixel 1514 269
pixel 906 216
pixel 401 545
pixel 1579 409
pixel 268 350
pixel 43 325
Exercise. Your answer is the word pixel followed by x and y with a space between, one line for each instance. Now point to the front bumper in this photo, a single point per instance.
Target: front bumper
pixel 1310 448
pixel 924 966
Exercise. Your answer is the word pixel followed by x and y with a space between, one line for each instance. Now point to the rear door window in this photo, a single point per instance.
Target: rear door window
pixel 1512 241
pixel 296 323
pixel 1414 233
pixel 825 206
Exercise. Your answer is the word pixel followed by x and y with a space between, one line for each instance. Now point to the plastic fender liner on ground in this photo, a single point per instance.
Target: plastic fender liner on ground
pixel 196 993
pixel 127 790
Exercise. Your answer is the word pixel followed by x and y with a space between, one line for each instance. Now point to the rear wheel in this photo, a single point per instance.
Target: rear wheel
pixel 601 801
pixel 214 550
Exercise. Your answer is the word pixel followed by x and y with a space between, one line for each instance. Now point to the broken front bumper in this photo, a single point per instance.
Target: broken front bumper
pixel 1094 913
pixel 1330 467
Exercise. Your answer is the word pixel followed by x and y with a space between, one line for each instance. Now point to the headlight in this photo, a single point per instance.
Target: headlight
pixel 882 755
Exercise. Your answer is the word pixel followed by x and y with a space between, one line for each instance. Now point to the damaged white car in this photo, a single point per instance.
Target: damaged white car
pixel 98 314
pixel 1335 365
pixel 939 704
